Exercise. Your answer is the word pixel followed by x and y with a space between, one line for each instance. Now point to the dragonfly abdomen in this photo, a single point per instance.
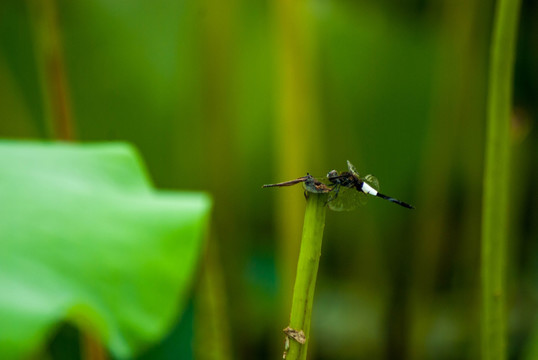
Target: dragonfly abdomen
pixel 396 201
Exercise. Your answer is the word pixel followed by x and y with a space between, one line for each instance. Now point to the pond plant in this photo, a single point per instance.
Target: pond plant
pixel 496 180
pixel 341 191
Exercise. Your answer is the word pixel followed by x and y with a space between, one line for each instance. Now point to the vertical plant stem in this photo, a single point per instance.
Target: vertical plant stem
pixel 496 186
pixel 307 269
pixel 212 341
pixel 91 347
pixel 297 123
pixel 56 96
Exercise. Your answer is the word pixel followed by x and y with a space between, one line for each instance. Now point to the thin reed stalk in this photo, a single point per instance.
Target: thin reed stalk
pixel 51 68
pixel 305 279
pixel 496 184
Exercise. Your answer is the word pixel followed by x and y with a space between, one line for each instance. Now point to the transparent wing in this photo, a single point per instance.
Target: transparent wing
pixel 372 181
pixel 344 198
pixel 352 168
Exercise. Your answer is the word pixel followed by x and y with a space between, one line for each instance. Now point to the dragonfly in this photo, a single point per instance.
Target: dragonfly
pixel 350 190
pixel 347 189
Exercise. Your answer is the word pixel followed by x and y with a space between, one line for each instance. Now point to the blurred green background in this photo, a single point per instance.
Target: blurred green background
pixel 224 96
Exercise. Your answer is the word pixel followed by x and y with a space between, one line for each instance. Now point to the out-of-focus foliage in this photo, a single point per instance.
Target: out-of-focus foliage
pixel 85 239
pixel 398 88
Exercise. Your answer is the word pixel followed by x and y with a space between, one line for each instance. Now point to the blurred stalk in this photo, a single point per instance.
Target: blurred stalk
pixel 307 270
pixel 91 348
pixel 530 351
pixel 465 230
pixel 451 93
pixel 218 89
pixel 211 326
pixel 297 125
pixel 51 68
pixel 466 280
pixel 496 184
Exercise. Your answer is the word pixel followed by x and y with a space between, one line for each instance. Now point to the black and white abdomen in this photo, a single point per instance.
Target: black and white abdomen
pixel 367 189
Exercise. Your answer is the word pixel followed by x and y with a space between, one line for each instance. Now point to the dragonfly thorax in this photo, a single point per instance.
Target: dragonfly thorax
pixel 346 179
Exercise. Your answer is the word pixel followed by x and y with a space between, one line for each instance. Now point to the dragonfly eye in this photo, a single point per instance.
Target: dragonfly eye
pixel 332 174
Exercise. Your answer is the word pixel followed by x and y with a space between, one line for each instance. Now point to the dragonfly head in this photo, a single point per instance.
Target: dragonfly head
pixel 332 174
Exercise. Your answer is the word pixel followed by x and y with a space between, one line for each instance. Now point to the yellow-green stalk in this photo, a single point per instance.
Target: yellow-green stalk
pixel 496 184
pixel 307 269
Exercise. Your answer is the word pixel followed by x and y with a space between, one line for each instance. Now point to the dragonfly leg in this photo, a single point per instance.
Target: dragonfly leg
pixel 333 194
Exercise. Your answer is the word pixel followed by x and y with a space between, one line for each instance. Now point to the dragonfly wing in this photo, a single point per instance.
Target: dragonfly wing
pixel 372 181
pixel 346 198
pixel 352 168
pixel 363 198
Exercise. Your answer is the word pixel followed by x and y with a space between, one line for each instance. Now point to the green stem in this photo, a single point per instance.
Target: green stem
pixel 496 185
pixel 307 269
pixel 211 336
pixel 92 348
pixel 51 67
